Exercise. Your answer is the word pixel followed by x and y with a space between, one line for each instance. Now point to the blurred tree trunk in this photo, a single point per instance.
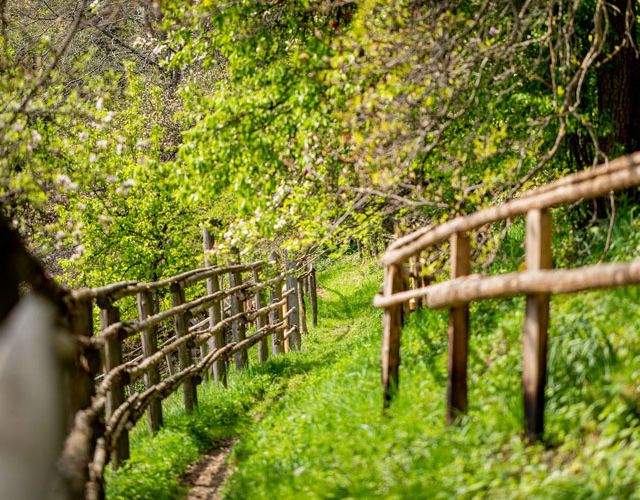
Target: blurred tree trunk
pixel 9 293
pixel 618 91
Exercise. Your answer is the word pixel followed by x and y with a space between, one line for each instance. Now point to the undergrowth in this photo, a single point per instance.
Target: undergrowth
pixel 330 439
pixel 311 425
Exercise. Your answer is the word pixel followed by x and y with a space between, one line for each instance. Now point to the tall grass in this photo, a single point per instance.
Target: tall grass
pixel 310 424
pixel 329 439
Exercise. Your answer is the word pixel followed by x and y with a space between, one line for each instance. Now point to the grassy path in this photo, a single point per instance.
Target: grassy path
pixel 327 437
pixel 158 462
pixel 309 424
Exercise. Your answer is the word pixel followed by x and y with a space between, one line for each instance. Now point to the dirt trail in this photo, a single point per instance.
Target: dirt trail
pixel 207 477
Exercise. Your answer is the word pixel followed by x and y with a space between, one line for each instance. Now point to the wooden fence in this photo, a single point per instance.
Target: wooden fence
pixel 537 282
pixel 243 305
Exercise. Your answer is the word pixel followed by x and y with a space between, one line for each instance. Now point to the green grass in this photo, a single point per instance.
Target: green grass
pixel 310 424
pixel 328 438
pixel 158 461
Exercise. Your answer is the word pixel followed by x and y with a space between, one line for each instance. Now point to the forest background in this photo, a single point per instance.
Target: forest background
pixel 126 125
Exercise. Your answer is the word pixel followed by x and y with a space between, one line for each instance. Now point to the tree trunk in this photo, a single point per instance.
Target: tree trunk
pixel 618 95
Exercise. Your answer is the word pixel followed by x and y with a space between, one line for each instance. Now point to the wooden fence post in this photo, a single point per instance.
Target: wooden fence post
pixel 313 297
pixel 414 273
pixel 305 283
pixel 292 303
pixel 424 282
pixel 80 382
pixel 536 323
pixel 218 368
pixel 149 339
pixel 303 307
pixel 458 332
pixel 109 314
pixel 226 332
pixel 190 394
pixel 263 347
pixel 238 327
pixel 204 348
pixel 392 326
pixel 406 285
pixel 79 387
pixel 277 340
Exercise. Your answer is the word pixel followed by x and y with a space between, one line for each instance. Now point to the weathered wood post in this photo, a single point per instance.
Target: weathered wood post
pixel 261 321
pixel 303 307
pixel 80 382
pixel 110 314
pixel 149 339
pixel 392 326
pixel 424 282
pixel 238 327
pixel 414 274
pixel 275 316
pixel 406 285
pixel 292 303
pixel 458 332
pixel 218 368
pixel 305 283
pixel 536 324
pixel 190 395
pixel 79 387
pixel 226 329
pixel 313 296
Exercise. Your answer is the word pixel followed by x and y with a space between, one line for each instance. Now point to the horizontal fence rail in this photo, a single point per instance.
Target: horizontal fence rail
pixel 171 346
pixel 405 283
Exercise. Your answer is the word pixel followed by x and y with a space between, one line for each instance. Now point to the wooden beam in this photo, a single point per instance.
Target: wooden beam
pixel 190 395
pixel 149 338
pixel 116 396
pixel 553 281
pixel 263 347
pixel 536 324
pixel 625 174
pixel 218 368
pixel 303 307
pixel 458 332
pixel 275 317
pixel 313 297
pixel 392 327
pixel 238 327
pixel 292 303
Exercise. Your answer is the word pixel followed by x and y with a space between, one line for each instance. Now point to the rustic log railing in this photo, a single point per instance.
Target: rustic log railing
pixel 537 282
pixel 112 400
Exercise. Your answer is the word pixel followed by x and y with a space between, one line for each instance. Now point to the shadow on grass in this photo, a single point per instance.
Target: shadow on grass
pixel 159 461
pixel 349 305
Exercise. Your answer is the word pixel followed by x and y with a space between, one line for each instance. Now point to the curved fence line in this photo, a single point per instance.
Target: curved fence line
pixel 602 180
pixel 404 282
pixel 202 336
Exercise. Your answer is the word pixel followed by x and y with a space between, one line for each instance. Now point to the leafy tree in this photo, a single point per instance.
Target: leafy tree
pixel 304 123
